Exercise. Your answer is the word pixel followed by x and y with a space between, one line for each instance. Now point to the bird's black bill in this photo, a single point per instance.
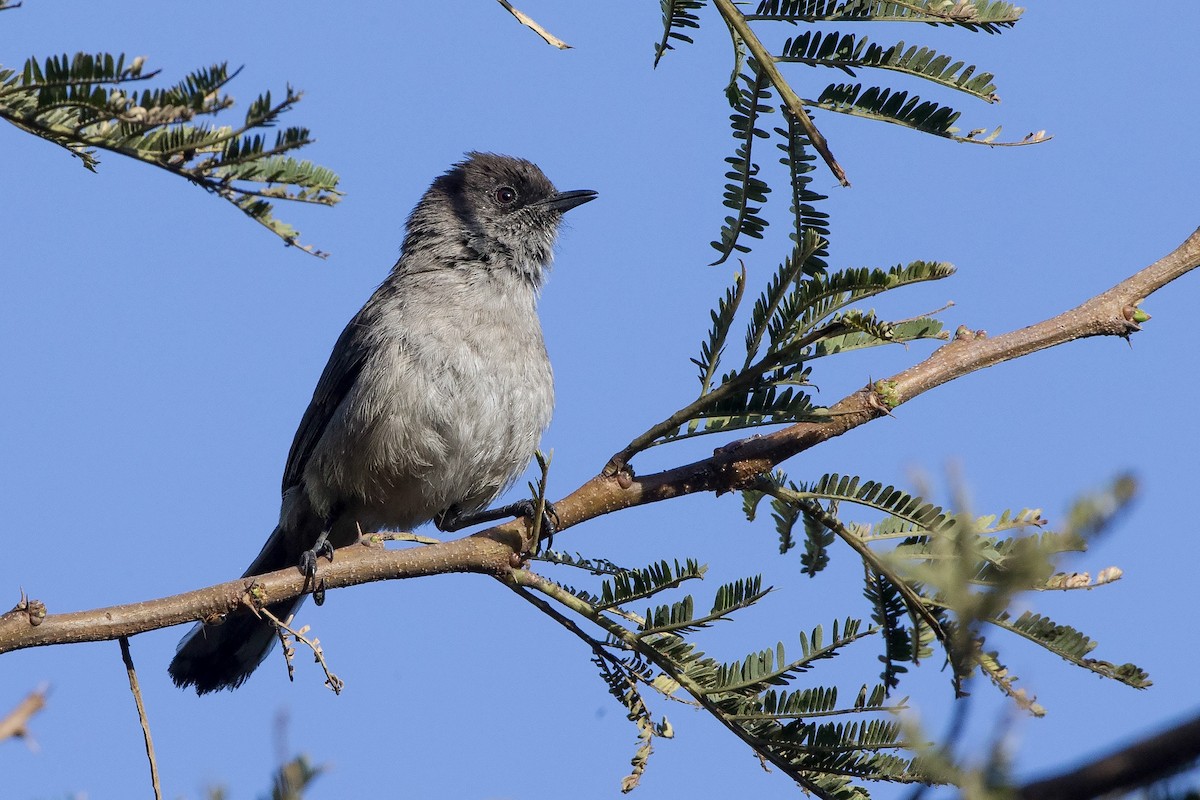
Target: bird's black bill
pixel 565 201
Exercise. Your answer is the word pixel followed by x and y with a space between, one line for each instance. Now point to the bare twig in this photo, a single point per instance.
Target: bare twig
pixel 127 657
pixel 285 630
pixel 15 725
pixel 525 20
pixel 285 647
pixel 596 646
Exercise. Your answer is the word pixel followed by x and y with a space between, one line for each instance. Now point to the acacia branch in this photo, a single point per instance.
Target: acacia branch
pixel 630 640
pixel 735 466
pixel 488 553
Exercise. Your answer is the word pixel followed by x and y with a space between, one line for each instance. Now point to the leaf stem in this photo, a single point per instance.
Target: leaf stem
pixel 736 20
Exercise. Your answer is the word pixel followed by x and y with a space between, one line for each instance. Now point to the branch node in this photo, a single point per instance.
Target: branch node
pixel 882 396
pixel 964 334
pixel 1134 316
pixel 255 597
pixel 34 611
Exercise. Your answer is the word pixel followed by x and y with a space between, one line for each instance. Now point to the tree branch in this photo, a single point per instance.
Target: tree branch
pixel 488 553
pixel 735 466
pixel 1141 763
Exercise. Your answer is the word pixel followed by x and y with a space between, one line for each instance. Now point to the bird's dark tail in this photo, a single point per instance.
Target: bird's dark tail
pixel 222 656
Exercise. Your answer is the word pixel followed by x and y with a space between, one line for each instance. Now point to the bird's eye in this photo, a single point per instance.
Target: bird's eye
pixel 506 195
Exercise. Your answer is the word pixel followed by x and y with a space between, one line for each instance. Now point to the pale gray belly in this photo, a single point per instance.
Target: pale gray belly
pixel 451 423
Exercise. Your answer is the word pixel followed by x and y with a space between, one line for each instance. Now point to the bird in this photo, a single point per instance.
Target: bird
pixel 434 399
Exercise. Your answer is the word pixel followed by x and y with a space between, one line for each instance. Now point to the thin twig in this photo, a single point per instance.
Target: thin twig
pixel 525 20
pixel 81 144
pixel 15 725
pixel 594 644
pixel 730 388
pixel 127 657
pixel 914 601
pixel 331 680
pixel 540 506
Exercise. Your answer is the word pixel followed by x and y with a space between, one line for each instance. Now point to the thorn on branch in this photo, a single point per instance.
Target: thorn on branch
pixel 33 610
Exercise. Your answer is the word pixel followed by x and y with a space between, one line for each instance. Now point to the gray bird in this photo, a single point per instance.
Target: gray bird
pixel 433 400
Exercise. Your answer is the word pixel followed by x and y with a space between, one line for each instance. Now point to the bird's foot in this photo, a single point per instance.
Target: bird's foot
pixel 308 564
pixel 452 519
pixel 549 520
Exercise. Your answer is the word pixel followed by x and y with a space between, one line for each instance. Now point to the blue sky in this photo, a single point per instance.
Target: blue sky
pixel 158 350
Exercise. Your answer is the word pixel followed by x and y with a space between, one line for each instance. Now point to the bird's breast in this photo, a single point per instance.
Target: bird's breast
pixel 447 412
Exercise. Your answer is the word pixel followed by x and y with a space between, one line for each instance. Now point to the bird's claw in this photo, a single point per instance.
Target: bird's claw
pixel 308 559
pixel 308 566
pixel 549 522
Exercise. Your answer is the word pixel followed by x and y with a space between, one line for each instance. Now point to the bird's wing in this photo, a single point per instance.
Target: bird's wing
pixel 345 364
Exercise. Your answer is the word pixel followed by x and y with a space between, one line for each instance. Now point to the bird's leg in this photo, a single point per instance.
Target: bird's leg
pixel 308 559
pixel 453 518
pixel 322 547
